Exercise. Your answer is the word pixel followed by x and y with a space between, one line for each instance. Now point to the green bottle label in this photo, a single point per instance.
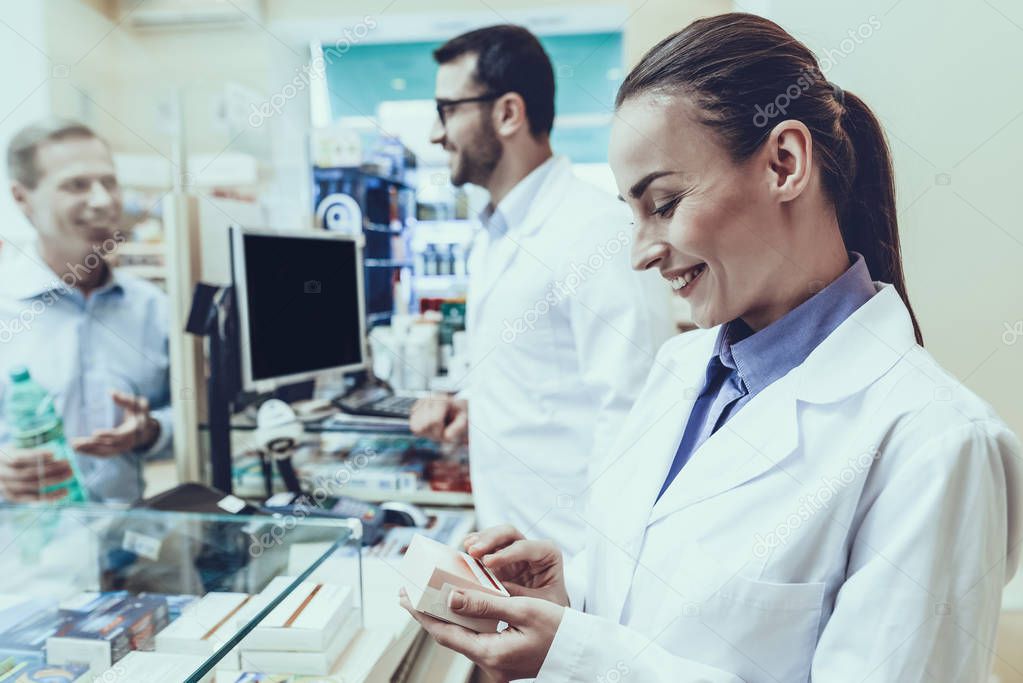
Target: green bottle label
pixel 38 437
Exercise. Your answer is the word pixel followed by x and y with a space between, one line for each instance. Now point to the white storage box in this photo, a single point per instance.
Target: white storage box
pixel 154 667
pixel 305 621
pixel 305 663
pixel 204 627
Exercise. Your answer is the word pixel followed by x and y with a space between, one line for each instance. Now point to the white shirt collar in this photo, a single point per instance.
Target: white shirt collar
pixel 511 211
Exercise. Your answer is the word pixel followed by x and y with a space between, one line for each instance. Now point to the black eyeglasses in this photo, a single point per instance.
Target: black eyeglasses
pixel 444 105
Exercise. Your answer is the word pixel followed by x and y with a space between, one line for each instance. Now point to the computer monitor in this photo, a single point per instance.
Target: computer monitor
pixel 300 305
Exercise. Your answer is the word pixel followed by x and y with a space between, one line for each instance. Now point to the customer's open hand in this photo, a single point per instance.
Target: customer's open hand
pixel 136 432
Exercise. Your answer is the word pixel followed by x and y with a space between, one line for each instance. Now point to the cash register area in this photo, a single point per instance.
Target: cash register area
pixel 280 187
pixel 281 561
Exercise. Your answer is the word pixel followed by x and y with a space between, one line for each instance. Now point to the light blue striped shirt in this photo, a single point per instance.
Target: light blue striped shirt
pixel 80 349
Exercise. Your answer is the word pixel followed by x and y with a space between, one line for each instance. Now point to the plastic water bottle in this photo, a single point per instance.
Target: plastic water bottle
pixel 35 424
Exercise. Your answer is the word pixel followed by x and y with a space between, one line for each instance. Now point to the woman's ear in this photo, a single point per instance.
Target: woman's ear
pixel 509 114
pixel 789 151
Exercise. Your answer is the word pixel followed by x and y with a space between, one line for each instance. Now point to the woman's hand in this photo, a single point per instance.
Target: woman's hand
pixel 532 569
pixel 516 652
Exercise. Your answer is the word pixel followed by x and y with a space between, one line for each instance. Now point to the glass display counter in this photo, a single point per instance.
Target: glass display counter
pixel 93 593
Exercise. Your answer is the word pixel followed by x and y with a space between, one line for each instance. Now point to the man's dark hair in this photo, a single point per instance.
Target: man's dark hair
pixel 509 59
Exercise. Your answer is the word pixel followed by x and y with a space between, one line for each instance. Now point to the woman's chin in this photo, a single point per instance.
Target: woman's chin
pixel 703 318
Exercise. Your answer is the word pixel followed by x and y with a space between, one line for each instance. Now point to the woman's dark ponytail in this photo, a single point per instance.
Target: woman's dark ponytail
pixel 747 74
pixel 867 216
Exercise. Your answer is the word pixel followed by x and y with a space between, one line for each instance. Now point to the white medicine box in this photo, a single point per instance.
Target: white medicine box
pixel 432 570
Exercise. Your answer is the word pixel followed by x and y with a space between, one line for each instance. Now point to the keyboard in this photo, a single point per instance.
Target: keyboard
pixel 377 402
pixel 393 406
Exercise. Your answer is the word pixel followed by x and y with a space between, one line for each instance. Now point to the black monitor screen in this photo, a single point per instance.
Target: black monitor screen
pixel 303 304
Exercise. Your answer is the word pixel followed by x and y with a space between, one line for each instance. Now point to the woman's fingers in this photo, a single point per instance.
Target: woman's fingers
pixel 481 605
pixel 531 552
pixel 451 636
pixel 490 540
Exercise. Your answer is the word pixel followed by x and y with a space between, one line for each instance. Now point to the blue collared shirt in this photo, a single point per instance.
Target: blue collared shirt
pixel 80 349
pixel 745 363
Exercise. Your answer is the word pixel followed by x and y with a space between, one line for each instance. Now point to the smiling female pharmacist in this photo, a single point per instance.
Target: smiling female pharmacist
pixel 801 492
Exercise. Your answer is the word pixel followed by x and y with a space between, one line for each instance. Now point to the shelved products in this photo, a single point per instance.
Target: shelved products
pixel 382 190
pixel 204 627
pixel 305 634
pixel 118 578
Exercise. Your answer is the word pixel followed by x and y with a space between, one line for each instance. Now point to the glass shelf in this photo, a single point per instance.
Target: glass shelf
pixel 54 558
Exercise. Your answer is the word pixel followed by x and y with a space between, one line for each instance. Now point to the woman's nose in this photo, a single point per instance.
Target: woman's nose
pixel 647 249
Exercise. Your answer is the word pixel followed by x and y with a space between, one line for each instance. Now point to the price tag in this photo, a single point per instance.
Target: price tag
pixel 142 545
pixel 232 504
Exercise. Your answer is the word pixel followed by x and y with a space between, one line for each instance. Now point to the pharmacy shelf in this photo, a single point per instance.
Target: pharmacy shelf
pixel 380 227
pixel 388 263
pixel 423 496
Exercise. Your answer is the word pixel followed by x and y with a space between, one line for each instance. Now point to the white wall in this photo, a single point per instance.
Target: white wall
pixel 24 97
pixel 943 75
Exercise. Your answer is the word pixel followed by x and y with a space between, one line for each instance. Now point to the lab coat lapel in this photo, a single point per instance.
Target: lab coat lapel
pixel 641 459
pixel 766 430
pixel 502 253
pixel 759 437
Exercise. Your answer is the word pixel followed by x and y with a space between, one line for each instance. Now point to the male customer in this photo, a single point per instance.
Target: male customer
pixel 95 338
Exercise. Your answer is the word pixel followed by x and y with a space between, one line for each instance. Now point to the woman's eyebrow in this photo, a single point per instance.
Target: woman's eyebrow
pixel 637 190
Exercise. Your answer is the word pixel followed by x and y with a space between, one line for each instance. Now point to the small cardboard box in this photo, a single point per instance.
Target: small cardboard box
pixel 177 603
pixel 433 569
pixel 307 620
pixel 26 640
pixel 103 638
pixel 204 627
pixel 319 663
pixel 25 672
pixel 92 602
pixel 155 667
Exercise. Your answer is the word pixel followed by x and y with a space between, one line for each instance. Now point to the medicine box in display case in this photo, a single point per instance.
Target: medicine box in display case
pixel 142 595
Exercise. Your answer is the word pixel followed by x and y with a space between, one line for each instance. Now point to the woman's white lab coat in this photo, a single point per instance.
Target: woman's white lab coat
pixel 855 521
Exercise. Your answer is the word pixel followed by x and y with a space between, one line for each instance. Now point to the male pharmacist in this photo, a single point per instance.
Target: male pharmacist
pixel 93 337
pixel 559 347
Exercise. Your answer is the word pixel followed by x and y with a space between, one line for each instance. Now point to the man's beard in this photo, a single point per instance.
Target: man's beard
pixel 477 160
